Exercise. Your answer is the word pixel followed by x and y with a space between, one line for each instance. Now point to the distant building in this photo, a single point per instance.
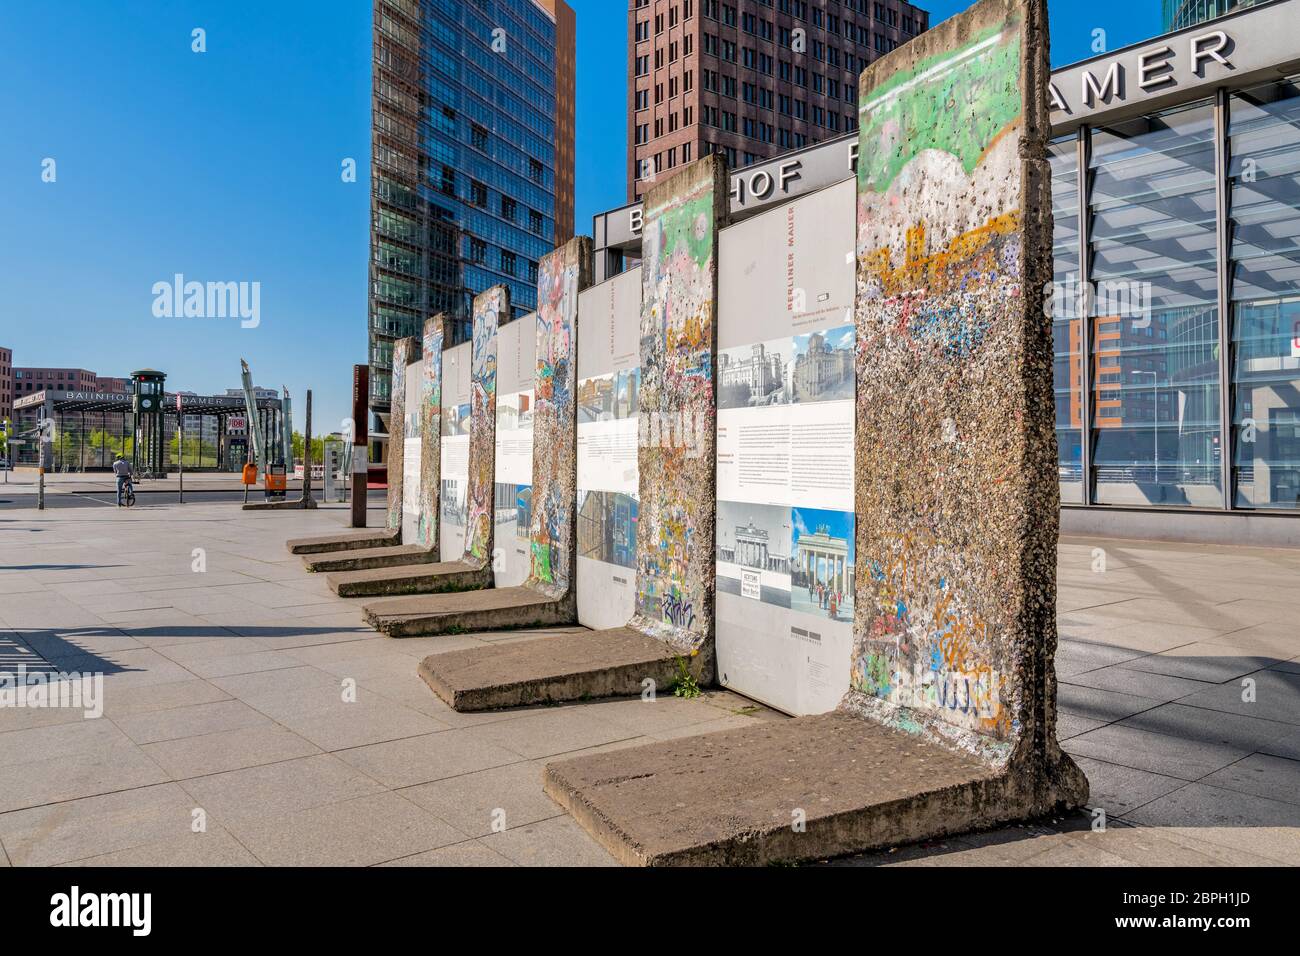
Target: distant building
pixel 705 77
pixel 6 384
pixel 29 379
pixel 258 392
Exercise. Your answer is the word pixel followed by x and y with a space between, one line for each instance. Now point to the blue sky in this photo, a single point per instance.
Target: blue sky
pixel 225 165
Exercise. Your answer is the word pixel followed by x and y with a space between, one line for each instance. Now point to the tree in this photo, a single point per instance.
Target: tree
pixel 317 448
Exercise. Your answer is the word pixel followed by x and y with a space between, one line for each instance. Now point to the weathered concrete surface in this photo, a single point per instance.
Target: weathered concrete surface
pixel 473 569
pixel 547 592
pixel 347 541
pixel 432 577
pixel 426 532
pixel 737 797
pixel 393 556
pixel 562 276
pixel 489 309
pixel 676 474
pixel 470 609
pixel 955 625
pixel 950 721
pixel 677 469
pixel 589 665
pixel 404 350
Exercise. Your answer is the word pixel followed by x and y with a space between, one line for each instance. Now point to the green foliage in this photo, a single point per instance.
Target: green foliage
pixel 197 451
pixel 684 685
pixel 317 448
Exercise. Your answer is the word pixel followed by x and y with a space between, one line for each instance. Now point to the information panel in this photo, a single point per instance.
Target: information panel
pixel 452 502
pixel 609 318
pixel 411 446
pixel 516 370
pixel 785 526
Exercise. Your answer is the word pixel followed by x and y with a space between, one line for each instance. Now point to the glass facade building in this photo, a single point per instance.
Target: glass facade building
pixel 472 161
pixel 1177 14
pixel 1176 302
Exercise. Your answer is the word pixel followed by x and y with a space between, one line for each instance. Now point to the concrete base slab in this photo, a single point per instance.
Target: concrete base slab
pixel 432 578
pixel 347 541
pixel 580 666
pixel 736 797
pixel 299 504
pixel 389 556
pixel 482 609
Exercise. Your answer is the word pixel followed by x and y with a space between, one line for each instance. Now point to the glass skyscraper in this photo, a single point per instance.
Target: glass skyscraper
pixel 1178 14
pixel 472 161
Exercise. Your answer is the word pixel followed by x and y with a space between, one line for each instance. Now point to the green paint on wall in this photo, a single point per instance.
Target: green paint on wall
pixel 681 225
pixel 956 101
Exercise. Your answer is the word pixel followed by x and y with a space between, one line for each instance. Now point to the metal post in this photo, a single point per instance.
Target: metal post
pixel 360 439
pixel 1084 317
pixel 1223 250
pixel 180 449
pixel 307 500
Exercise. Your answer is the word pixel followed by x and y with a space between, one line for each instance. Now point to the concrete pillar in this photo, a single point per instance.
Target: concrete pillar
pixel 430 433
pixel 402 351
pixel 561 276
pixel 954 350
pixel 490 308
pixel 675 556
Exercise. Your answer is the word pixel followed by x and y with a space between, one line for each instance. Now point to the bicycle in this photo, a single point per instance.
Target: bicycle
pixel 128 493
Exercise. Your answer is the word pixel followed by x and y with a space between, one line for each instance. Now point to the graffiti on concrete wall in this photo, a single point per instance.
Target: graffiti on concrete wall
pixel 561 276
pixel 402 349
pixel 940 305
pixel 675 567
pixel 489 308
pixel 431 430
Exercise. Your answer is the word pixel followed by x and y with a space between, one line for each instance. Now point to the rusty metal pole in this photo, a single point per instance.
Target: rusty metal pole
pixel 360 439
pixel 307 500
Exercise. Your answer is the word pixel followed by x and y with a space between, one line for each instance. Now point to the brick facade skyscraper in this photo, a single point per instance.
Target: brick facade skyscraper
pixel 749 78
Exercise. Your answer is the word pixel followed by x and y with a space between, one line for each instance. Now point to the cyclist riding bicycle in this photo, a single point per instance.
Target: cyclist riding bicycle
pixel 122 469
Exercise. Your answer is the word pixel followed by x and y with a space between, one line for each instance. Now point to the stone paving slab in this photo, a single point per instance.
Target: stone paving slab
pixel 583 666
pixel 419 578
pixel 389 556
pixel 97 797
pixel 467 610
pixel 361 539
pixel 733 798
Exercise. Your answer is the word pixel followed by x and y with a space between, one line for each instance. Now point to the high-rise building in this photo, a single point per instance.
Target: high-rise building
pixel 472 161
pixel 748 78
pixel 1178 14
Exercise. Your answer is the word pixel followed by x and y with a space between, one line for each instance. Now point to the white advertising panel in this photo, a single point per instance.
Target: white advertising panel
pixel 785 524
pixel 516 368
pixel 609 319
pixel 452 501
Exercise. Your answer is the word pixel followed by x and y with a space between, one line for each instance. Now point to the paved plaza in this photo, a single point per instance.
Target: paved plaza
pixel 250 717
